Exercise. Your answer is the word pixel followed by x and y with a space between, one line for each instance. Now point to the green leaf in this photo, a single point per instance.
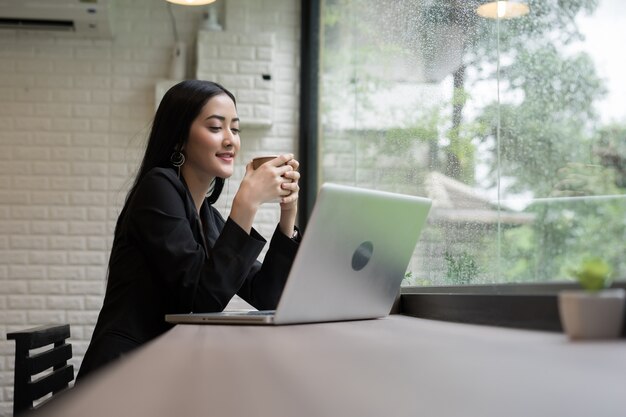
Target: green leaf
pixel 593 274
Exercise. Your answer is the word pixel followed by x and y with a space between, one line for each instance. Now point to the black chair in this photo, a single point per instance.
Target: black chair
pixel 26 390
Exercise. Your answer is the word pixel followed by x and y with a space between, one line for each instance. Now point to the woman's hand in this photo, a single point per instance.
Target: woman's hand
pixel 272 181
pixel 266 183
pixel 290 201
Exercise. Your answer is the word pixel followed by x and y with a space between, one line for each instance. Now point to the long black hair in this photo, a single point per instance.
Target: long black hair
pixel 170 129
pixel 179 107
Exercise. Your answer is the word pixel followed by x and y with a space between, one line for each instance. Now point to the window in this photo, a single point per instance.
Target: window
pixel 515 127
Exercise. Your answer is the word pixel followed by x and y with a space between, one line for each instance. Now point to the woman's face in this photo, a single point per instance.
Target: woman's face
pixel 213 140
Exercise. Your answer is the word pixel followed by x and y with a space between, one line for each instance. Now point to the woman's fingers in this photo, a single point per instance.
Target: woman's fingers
pixel 281 160
pixel 292 177
pixel 294 164
pixel 291 187
pixel 276 178
pixel 292 197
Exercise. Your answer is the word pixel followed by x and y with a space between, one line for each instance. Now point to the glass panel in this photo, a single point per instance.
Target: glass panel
pixel 514 126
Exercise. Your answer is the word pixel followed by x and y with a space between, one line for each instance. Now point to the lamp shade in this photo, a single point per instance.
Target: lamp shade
pixel 502 9
pixel 191 2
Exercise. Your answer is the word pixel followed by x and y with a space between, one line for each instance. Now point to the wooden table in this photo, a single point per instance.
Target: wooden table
pixel 398 366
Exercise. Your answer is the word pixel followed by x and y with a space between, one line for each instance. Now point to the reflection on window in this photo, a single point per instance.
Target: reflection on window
pixel 516 128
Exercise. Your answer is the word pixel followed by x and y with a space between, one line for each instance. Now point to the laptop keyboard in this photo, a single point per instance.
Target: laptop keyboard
pixel 262 312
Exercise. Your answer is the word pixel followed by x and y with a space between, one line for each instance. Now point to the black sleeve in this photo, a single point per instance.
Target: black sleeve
pixel 231 259
pixel 264 285
pixel 159 223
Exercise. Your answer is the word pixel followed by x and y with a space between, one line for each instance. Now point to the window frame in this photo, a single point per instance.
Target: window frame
pixel 310 38
pixel 531 306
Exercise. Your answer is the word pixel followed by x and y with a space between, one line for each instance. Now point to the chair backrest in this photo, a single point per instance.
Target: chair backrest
pixel 25 389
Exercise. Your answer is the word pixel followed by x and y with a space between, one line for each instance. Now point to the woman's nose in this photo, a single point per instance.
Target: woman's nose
pixel 228 137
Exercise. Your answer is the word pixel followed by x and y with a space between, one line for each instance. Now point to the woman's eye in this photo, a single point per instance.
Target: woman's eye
pixel 235 131
pixel 215 129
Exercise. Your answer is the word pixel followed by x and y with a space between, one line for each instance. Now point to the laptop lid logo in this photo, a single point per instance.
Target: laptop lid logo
pixel 362 255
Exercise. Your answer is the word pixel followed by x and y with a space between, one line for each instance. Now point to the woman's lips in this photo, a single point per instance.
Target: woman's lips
pixel 226 156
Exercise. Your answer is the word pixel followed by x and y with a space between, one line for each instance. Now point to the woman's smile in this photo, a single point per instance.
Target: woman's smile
pixel 228 157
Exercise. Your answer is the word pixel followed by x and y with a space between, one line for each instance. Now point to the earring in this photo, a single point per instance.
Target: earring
pixel 177 159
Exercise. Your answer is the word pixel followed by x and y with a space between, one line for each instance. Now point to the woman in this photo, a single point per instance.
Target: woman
pixel 172 251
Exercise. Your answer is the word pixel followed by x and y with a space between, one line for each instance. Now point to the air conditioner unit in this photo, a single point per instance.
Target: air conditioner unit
pixel 91 18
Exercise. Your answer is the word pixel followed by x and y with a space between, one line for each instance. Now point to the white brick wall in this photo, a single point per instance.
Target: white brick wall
pixel 74 114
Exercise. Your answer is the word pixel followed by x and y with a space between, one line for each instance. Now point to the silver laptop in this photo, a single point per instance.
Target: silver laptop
pixel 350 264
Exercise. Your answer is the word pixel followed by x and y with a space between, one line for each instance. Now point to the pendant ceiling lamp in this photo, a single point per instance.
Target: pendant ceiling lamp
pixel 502 9
pixel 191 2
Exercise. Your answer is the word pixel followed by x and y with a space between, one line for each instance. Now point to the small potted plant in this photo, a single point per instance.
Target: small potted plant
pixel 595 312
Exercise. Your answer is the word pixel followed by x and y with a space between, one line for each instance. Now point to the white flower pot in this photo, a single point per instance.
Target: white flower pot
pixel 586 315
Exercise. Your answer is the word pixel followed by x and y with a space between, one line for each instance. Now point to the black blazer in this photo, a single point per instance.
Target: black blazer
pixel 165 260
